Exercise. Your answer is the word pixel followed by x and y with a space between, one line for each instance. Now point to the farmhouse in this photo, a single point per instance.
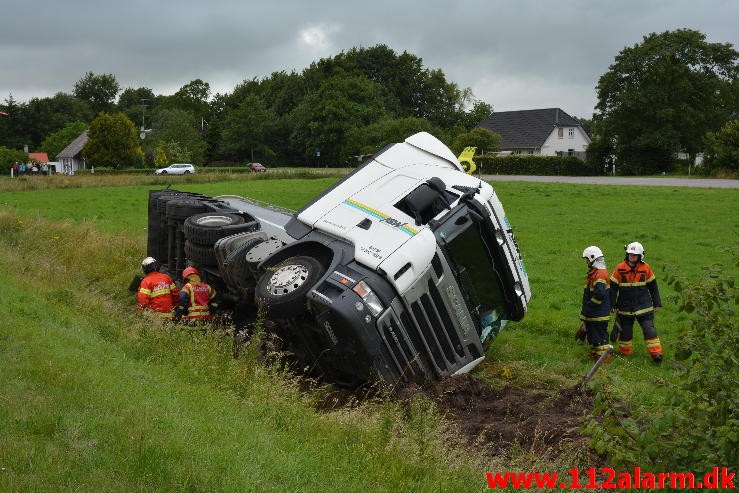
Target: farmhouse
pixel 547 132
pixel 71 156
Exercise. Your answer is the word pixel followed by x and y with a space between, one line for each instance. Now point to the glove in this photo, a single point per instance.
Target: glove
pixel 615 331
pixel 179 311
pixel 581 333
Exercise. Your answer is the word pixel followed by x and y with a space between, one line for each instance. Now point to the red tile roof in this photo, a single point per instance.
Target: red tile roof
pixel 41 157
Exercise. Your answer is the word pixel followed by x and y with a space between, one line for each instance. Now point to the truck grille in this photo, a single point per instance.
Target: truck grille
pixel 421 337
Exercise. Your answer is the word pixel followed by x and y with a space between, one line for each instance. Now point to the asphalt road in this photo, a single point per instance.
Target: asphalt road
pixel 621 180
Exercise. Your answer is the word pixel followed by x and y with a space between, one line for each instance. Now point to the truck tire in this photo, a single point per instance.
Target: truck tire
pixel 236 266
pixel 281 290
pixel 209 227
pixel 180 209
pixel 200 254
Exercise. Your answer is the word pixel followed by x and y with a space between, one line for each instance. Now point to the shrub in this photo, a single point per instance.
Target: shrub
pixel 534 165
pixel 695 428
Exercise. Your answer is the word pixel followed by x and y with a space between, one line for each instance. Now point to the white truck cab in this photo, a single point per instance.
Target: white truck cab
pixel 404 270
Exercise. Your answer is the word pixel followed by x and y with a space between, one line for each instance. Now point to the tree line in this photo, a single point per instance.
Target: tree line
pixel 673 92
pixel 332 113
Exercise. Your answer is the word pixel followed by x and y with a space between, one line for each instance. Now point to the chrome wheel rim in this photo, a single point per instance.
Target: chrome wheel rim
pixel 287 279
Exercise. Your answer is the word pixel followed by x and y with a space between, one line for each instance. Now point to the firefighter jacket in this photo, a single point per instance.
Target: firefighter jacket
pixel 596 299
pixel 157 292
pixel 634 289
pixel 195 301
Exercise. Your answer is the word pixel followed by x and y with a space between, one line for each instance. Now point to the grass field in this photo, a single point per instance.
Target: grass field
pixel 94 398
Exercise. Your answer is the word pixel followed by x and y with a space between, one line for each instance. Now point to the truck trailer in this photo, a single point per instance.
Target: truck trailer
pixel 404 270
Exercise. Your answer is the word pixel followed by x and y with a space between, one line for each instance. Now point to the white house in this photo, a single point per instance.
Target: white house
pixel 546 132
pixel 71 156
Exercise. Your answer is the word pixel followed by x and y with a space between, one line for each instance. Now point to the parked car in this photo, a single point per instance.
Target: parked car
pixel 176 169
pixel 257 167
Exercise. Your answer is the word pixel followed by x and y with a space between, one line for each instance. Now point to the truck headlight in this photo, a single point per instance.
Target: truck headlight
pixel 374 305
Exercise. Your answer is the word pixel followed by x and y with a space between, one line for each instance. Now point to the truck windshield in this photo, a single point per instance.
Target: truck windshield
pixel 469 256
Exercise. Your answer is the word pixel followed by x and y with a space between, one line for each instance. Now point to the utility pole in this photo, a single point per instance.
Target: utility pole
pixel 143 118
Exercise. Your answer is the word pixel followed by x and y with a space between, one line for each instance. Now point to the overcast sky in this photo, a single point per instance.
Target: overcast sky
pixel 513 54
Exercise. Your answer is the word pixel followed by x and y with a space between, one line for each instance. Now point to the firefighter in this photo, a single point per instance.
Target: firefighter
pixel 596 302
pixel 635 296
pixel 196 298
pixel 157 291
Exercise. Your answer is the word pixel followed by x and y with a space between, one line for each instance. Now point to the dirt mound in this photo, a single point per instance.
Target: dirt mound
pixel 538 421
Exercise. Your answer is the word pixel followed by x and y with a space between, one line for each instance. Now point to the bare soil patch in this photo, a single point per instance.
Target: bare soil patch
pixel 538 421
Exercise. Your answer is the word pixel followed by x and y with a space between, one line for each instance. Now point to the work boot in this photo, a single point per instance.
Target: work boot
pixel 657 358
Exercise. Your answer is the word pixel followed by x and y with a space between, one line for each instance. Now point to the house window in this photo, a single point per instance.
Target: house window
pixel 560 132
pixel 571 132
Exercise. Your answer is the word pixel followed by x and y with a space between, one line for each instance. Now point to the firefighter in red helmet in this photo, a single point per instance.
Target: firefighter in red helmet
pixel 196 297
pixel 635 297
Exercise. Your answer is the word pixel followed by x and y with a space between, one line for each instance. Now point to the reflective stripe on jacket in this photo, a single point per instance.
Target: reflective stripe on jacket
pixel 197 298
pixel 157 292
pixel 634 289
pixel 596 299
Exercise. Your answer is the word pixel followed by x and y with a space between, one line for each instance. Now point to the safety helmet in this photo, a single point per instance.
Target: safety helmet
pixel 149 264
pixel 591 253
pixel 189 271
pixel 636 248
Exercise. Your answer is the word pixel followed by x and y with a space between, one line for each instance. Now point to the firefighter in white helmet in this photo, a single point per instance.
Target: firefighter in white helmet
pixel 596 301
pixel 635 296
pixel 157 292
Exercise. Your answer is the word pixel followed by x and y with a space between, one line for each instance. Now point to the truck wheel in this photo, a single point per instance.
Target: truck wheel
pixel 180 209
pixel 236 266
pixel 281 290
pixel 200 254
pixel 209 227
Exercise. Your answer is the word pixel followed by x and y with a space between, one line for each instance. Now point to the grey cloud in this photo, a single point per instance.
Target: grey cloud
pixel 514 54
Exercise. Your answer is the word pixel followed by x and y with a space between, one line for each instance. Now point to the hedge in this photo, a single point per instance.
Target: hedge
pixel 534 165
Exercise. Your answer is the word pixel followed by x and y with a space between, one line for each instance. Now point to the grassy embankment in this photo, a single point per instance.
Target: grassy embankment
pixel 95 399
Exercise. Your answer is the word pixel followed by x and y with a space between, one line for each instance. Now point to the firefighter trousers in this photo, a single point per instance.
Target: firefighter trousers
pixel 597 337
pixel 646 322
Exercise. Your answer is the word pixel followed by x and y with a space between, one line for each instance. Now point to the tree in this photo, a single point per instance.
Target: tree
pixel 587 125
pixel 662 96
pixel 180 127
pixel 170 151
pixel 10 156
pixel 246 129
pixel 9 128
pixel 30 123
pixel 411 89
pixel 135 102
pixel 113 142
pixel 369 139
pixel 192 97
pixel 40 118
pixel 322 121
pixel 484 139
pixel 56 142
pixel 98 90
pixel 479 111
pixel 722 148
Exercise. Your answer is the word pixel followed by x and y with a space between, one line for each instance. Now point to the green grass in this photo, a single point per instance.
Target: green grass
pixel 92 398
pixel 122 209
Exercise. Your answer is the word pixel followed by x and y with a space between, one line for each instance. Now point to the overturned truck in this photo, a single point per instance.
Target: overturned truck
pixel 403 271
